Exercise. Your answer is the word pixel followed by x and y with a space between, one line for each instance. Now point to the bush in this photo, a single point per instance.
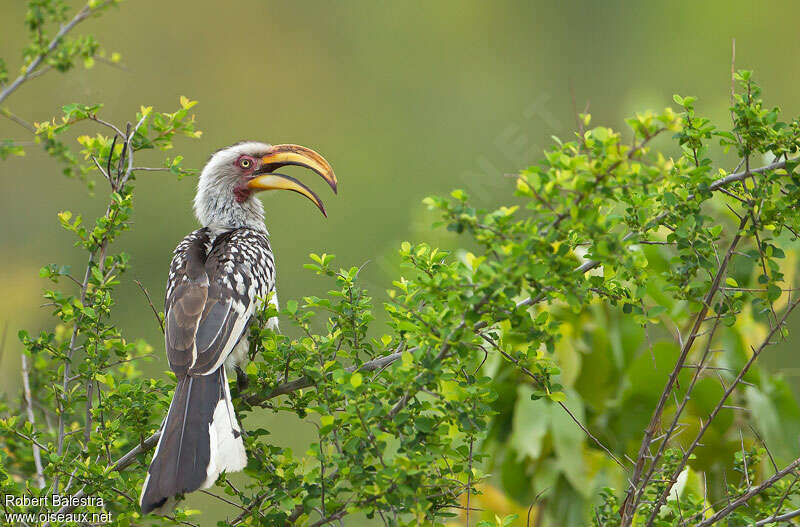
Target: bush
pixel 602 331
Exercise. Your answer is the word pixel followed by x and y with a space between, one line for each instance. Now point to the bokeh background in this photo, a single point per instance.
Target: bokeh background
pixel 405 99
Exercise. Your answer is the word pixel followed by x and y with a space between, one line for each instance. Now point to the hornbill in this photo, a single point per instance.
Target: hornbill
pixel 219 276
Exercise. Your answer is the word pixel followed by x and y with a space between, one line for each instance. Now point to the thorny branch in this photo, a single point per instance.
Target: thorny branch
pixel 628 504
pixel 741 500
pixel 720 405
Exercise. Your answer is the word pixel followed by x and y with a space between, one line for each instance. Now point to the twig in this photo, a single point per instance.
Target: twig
pixel 82 15
pixel 564 407
pixel 742 499
pixel 776 519
pixel 129 148
pixel 676 418
pixel 225 500
pixel 149 301
pixel 469 471
pixel 151 169
pixel 399 405
pixel 720 404
pixel 113 127
pixel 17 119
pixel 581 195
pixel 105 174
pixel 26 387
pixel 716 185
pixel 257 501
pixel 628 504
pixel 258 399
pixel 739 176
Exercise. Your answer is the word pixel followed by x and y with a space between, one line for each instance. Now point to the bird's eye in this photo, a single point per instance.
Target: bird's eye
pixel 245 163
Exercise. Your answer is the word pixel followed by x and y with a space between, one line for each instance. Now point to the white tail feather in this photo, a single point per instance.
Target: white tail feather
pixel 227 447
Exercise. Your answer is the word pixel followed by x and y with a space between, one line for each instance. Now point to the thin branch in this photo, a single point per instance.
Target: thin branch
pixel 105 174
pixel 716 185
pixel 151 169
pixel 67 367
pixel 742 499
pixel 564 407
pixel 82 15
pixel 255 504
pixel 469 471
pixel 776 519
pixel 26 387
pixel 581 195
pixel 5 112
pixel 739 176
pixel 113 127
pixel 129 148
pixel 628 504
pixel 222 499
pixel 399 405
pixel 720 404
pixel 149 301
pixel 258 399
pixel 676 418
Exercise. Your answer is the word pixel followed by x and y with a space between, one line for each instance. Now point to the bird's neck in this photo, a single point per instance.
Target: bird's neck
pixel 221 212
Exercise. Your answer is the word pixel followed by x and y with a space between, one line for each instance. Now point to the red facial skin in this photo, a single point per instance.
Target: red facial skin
pixel 246 166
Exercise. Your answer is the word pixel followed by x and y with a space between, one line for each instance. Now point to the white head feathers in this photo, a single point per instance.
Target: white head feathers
pixel 215 203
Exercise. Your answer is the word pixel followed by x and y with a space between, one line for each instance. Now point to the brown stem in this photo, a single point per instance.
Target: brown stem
pixel 720 405
pixel 742 499
pixel 628 505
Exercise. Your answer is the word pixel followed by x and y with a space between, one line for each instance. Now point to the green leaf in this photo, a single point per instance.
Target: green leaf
pixel 530 423
pixel 773 292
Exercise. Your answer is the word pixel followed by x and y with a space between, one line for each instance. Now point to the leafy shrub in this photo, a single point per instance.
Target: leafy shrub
pixel 601 333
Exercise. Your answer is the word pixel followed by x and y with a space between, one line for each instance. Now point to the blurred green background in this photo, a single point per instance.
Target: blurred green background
pixel 404 99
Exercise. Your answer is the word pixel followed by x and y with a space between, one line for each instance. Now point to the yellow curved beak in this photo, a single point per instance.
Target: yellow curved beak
pixel 283 155
pixel 282 182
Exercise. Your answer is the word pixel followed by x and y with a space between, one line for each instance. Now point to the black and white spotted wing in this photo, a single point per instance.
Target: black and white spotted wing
pixel 215 286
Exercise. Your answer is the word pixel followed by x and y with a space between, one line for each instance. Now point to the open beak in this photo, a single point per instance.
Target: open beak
pixel 283 182
pixel 284 155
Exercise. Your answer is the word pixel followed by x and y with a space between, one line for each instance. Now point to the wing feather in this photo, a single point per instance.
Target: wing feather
pixel 214 289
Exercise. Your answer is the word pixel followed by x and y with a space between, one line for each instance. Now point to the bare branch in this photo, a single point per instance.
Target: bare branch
pixel 5 112
pixel 720 405
pixel 676 418
pixel 739 176
pixel 628 504
pixel 26 387
pixel 741 500
pixel 777 519
pixel 150 302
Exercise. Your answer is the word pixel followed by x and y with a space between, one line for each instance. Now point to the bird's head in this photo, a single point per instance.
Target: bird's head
pixel 226 191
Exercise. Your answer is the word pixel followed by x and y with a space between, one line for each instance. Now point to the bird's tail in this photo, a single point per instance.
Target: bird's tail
pixel 200 439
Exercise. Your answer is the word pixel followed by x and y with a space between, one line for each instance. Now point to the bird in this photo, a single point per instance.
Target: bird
pixel 219 277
